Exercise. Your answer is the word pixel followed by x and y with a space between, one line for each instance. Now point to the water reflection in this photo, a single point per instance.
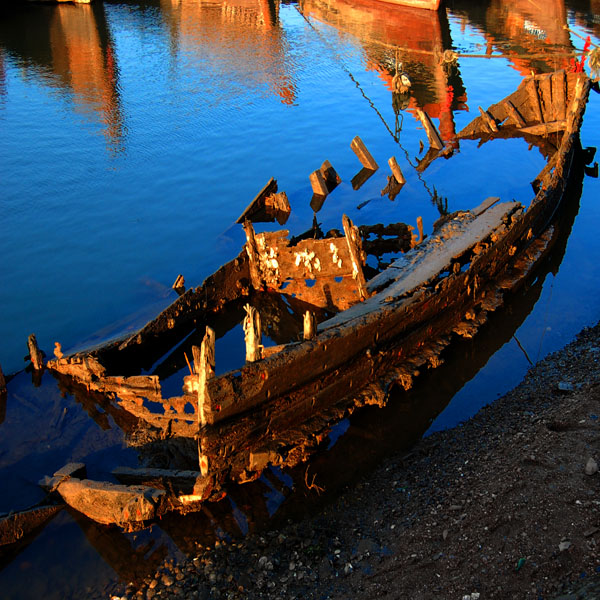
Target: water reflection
pixel 394 36
pixel 70 46
pixel 241 39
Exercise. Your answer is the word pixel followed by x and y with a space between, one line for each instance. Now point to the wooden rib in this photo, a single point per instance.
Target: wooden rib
pixel 353 241
pixel 514 114
pixel 253 258
pixel 396 171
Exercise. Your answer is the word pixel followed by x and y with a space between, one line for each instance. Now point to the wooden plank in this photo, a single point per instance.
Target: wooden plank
pixel 534 98
pixel 359 148
pixel 354 247
pixel 330 176
pixel 258 201
pixel 514 114
pixel 318 184
pixel 15 526
pixel 489 120
pixel 110 503
pixel 545 128
pixel 396 170
pixel 559 95
pixel 252 334
pixel 253 257
pixel 435 140
pixel 545 93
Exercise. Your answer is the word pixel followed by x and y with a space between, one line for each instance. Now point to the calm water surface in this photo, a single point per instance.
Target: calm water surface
pixel 133 134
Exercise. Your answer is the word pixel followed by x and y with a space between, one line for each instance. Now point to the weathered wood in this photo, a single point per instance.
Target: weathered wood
pixel 435 140
pixel 490 122
pixel 179 283
pixel 253 257
pixel 396 170
pixel 559 95
pixel 392 188
pixel 318 184
pixel 259 201
pixel 515 114
pixel 252 334
pixel 15 526
pixel 545 128
pixel 359 148
pixel 110 503
pixel 310 325
pixel 35 354
pixel 532 90
pixel 177 480
pixel 205 370
pixel 330 176
pixel 354 247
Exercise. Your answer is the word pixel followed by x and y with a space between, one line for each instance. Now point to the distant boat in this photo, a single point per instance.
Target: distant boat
pixel 428 4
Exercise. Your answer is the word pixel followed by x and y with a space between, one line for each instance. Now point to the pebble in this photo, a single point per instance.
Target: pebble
pixel 591 466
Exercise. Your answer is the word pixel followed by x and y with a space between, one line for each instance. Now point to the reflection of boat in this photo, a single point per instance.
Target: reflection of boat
pixel 531 35
pixel 75 50
pixel 415 38
pixel 428 4
pixel 279 407
pixel 242 37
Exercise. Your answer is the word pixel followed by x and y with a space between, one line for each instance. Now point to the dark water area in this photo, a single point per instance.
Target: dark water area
pixel 133 134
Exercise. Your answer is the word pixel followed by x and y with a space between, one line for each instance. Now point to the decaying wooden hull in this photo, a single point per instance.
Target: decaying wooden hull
pixel 279 407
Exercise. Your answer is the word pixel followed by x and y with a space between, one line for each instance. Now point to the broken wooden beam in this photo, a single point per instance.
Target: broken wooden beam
pixel 179 284
pixel 35 354
pixel 74 469
pixel 253 257
pixel 514 114
pixel 310 325
pixel 489 120
pixel 317 181
pixel 16 525
pixel 396 170
pixel 353 241
pixel 259 200
pixel 359 148
pixel 435 139
pixel 204 365
pixel 252 334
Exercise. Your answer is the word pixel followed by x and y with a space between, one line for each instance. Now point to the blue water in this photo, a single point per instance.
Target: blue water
pixel 133 134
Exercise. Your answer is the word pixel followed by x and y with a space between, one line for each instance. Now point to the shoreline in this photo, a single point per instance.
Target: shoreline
pixel 498 507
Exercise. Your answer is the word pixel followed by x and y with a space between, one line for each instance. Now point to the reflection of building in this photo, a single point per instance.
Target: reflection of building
pixel 241 38
pixel 391 35
pixel 586 14
pixel 74 50
pixel 530 34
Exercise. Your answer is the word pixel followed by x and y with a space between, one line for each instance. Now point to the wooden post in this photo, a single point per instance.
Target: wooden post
pixel 363 154
pixel 489 120
pixel 396 171
pixel 204 368
pixel 310 325
pixel 252 334
pixel 354 247
pixel 515 114
pixel 37 358
pixel 417 240
pixel 179 282
pixel 252 250
pixel 435 139
pixel 318 184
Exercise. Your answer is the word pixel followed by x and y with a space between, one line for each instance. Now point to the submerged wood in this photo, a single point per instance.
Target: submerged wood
pixel 16 525
pixel 267 205
pixel 277 410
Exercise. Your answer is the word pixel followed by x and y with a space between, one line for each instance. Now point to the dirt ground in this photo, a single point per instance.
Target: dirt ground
pixel 504 506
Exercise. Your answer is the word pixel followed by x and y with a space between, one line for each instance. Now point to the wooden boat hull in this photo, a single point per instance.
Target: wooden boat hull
pixel 278 410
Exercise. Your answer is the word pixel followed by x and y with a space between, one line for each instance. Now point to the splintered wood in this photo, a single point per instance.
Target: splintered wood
pixel 252 334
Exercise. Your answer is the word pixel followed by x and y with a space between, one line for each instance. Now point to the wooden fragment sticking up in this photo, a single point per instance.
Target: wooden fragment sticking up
pixel 204 368
pixel 35 354
pixel 354 247
pixel 252 334
pixel 514 114
pixel 435 139
pixel 318 184
pixel 58 350
pixel 253 258
pixel 489 120
pixel 417 240
pixel 179 284
pixel 363 154
pixel 310 325
pixel 396 171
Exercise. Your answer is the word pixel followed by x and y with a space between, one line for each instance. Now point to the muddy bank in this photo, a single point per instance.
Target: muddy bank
pixel 504 506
